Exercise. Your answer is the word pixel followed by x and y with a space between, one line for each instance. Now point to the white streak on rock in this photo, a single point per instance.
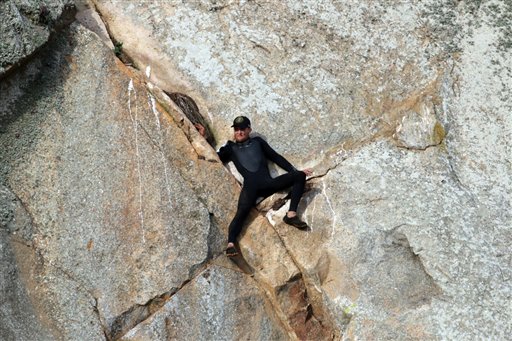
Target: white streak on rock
pixel 330 206
pixel 313 215
pixel 135 124
pixel 269 216
pixel 152 104
pixel 148 71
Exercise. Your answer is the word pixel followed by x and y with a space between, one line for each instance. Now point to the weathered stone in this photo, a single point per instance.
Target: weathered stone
pixel 119 197
pixel 419 129
pixel 340 76
pixel 402 109
pixel 204 310
pixel 26 26
pixel 278 275
pixel 407 266
pixel 90 19
pixel 18 319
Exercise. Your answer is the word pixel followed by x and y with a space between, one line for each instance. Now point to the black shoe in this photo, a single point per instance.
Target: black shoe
pixel 231 251
pixel 295 221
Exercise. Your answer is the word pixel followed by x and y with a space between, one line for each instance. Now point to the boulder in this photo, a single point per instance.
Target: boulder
pixel 26 26
pixel 119 199
pixel 115 210
pixel 382 101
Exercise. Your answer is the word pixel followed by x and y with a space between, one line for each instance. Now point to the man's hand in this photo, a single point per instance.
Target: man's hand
pixel 308 171
pixel 201 129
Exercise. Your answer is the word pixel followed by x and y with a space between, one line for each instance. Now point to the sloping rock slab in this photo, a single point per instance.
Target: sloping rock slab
pixel 26 26
pixel 119 199
pixel 205 310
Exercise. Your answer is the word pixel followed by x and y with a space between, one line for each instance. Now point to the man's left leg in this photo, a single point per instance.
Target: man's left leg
pixel 297 181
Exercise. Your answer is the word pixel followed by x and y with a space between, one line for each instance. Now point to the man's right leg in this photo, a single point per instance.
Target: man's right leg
pixel 291 217
pixel 245 203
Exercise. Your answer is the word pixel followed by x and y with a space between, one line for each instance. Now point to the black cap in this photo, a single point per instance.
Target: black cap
pixel 241 122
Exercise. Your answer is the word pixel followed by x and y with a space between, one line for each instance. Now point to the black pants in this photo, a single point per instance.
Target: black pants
pixel 264 188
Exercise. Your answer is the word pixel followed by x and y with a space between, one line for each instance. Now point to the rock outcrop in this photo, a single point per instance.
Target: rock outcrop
pixel 114 210
pixel 27 25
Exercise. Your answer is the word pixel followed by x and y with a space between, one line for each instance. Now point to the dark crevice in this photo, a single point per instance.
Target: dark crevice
pixel 421 149
pixel 137 314
pixel 260 47
pixel 67 16
pixel 95 305
pixel 187 105
pixel 101 319
pixel 214 243
pixel 217 8
pixel 118 45
pixel 296 305
pixel 303 321
pixel 191 110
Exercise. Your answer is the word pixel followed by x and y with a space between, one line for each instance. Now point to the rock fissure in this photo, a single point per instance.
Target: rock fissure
pixel 279 313
pixel 21 241
pixel 309 306
pixel 190 109
pixel 421 149
pixel 200 145
pixel 101 319
pixel 182 102
pixel 138 313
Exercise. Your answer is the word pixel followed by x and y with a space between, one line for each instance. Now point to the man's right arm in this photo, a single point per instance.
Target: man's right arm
pixel 224 153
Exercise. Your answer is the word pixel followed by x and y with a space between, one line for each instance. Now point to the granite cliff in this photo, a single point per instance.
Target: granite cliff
pixel 114 210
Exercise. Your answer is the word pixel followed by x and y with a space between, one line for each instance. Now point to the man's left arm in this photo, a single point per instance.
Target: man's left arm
pixel 277 158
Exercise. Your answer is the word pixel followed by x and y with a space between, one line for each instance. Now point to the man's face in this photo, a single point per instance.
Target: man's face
pixel 241 134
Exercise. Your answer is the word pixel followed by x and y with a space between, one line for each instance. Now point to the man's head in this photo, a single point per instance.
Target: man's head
pixel 242 127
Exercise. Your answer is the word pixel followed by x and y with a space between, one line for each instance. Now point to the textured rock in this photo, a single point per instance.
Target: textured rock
pixel 340 81
pixel 203 310
pixel 118 195
pixel 26 26
pixel 18 319
pixel 340 87
pixel 420 129
pixel 402 109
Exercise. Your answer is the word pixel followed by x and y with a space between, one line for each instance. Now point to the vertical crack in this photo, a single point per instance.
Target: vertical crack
pixel 191 110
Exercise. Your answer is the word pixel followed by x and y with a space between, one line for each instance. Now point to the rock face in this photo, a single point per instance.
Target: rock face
pixel 114 209
pixel 26 26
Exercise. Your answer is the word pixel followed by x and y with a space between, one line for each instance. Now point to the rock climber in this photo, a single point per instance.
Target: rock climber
pixel 250 156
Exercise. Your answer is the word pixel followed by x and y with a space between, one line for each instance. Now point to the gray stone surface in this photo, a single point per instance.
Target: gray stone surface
pixel 18 319
pixel 311 75
pixel 203 310
pixel 26 26
pixel 117 194
pixel 402 109
pixel 399 105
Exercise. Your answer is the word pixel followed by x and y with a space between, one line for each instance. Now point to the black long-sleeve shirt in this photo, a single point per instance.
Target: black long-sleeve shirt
pixel 250 158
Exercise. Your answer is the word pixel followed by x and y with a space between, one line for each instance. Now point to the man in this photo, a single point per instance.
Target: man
pixel 250 156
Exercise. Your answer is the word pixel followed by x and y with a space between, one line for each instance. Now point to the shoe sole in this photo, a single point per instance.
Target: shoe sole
pixel 300 227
